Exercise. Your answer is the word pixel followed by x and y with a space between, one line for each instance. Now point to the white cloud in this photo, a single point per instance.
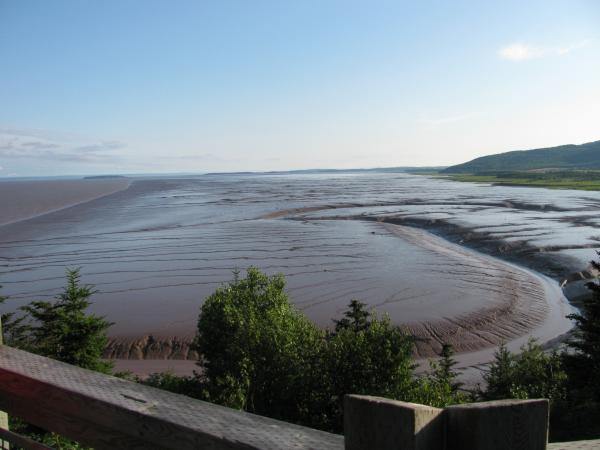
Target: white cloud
pixel 36 144
pixel 568 49
pixel 520 51
pixel 1 168
pixel 443 120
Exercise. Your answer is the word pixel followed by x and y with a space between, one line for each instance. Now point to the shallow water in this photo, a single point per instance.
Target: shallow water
pixel 157 249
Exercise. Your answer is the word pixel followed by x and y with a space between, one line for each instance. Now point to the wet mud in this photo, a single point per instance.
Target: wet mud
pixel 402 244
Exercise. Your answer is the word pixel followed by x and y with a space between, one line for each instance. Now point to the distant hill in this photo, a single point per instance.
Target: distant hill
pixel 584 156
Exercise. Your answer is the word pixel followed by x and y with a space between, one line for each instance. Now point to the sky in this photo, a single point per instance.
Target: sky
pixel 97 87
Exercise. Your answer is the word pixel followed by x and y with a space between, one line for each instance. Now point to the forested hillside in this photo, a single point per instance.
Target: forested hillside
pixel 584 156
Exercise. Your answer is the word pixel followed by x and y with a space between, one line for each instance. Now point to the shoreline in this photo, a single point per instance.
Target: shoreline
pixel 518 253
pixel 52 196
pixel 557 183
pixel 521 315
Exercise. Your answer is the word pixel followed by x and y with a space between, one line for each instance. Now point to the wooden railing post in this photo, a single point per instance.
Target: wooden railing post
pixel 377 423
pixel 3 415
pixel 374 423
pixel 498 425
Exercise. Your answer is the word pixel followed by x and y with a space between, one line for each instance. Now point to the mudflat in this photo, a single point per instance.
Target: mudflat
pixel 21 200
pixel 438 256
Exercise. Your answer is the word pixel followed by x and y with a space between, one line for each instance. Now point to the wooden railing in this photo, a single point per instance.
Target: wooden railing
pixel 107 412
pixel 102 411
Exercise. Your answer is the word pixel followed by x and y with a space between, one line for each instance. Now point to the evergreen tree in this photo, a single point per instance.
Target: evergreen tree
pixel 63 330
pixel 584 360
pixel 499 378
pixel 580 415
pixel 13 327
pixel 60 330
pixel 356 317
pixel 366 355
pixel 445 372
pixel 439 387
pixel 531 373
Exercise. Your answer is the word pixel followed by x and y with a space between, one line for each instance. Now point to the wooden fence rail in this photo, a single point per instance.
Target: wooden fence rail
pixel 107 412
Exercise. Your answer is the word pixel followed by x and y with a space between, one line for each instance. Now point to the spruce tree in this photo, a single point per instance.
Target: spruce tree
pixel 501 375
pixel 13 328
pixel 585 344
pixel 356 317
pixel 63 330
pixel 445 371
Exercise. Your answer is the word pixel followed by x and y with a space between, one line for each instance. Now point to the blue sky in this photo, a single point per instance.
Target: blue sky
pixel 133 87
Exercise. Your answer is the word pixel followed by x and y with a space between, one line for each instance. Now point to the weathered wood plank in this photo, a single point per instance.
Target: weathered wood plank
pixel 498 425
pixel 384 424
pixel 108 412
pixel 21 441
pixel 576 445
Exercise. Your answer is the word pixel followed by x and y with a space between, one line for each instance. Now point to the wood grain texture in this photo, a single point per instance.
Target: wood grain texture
pixel 108 412
pixel 577 445
pixel 384 424
pixel 498 425
pixel 20 441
